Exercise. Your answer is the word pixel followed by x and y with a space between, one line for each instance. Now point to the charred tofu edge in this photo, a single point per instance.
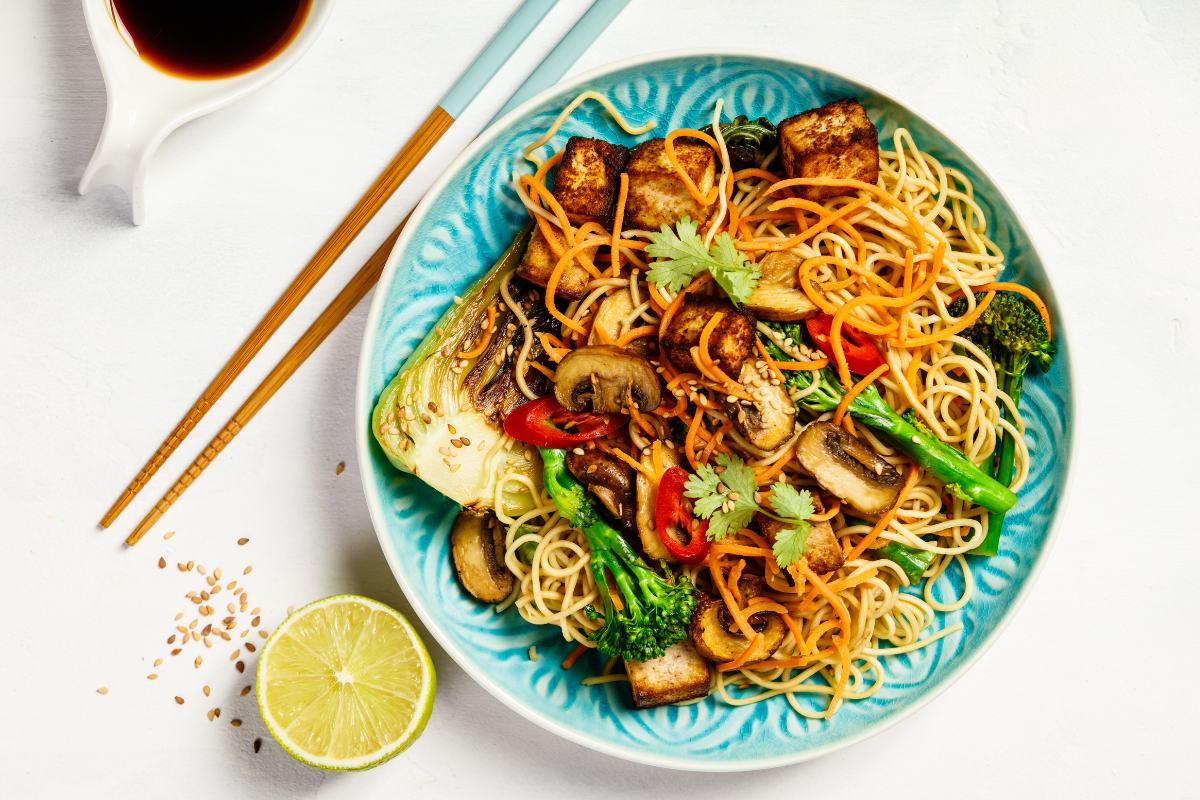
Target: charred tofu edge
pixel 538 263
pixel 587 181
pixel 679 674
pixel 657 196
pixel 816 144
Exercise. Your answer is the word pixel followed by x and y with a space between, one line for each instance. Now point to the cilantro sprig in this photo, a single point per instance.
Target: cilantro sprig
pixel 788 505
pixel 682 257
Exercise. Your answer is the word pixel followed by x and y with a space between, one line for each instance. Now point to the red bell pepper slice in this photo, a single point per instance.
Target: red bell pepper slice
pixel 862 356
pixel 538 423
pixel 673 509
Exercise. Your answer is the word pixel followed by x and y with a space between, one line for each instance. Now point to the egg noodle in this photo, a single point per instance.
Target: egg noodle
pixel 919 224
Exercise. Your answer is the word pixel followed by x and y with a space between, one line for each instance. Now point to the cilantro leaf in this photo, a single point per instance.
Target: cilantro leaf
pixel 791 544
pixel 682 258
pixel 704 489
pixel 788 502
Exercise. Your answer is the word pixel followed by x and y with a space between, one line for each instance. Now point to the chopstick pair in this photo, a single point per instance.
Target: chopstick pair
pixel 496 54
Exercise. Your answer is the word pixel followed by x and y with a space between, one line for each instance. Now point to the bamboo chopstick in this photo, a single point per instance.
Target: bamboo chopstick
pixel 337 310
pixel 494 56
pixel 593 22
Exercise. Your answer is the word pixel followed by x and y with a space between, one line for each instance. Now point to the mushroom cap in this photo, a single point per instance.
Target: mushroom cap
pixel 598 378
pixel 611 480
pixel 848 468
pixel 778 295
pixel 771 420
pixel 710 632
pixel 477 545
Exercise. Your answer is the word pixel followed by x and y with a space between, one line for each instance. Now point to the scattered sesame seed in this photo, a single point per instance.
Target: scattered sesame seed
pixel 734 495
pixel 177 650
pixel 256 612
pixel 204 595
pixel 162 562
pixel 171 639
pixel 237 723
pixel 916 439
pixel 178 699
pixel 182 566
pixel 102 690
pixel 257 744
pixel 426 418
pixel 216 588
pixel 245 691
pixel 168 534
pixel 157 661
pixel 207 643
pixel 454 467
pixel 211 716
pixel 206 691
pixel 250 646
pixel 199 661
pixel 195 636
pixel 246 571
pixel 152 676
pixel 241 666
pixel 179 616
pixel 233 656
pixel 190 564
pixel 201 569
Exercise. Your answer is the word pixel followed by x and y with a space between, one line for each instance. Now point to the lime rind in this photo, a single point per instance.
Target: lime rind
pixel 379 709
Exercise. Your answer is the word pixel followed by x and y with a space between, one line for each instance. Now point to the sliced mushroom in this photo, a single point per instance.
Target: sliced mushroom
pixel 718 638
pixel 730 343
pixel 598 378
pixel 849 469
pixel 778 295
pixel 610 318
pixel 611 480
pixel 477 543
pixel 823 552
pixel 771 419
pixel 647 498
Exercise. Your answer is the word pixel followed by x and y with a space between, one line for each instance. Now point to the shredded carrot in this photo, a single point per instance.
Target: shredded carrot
pixel 773 469
pixel 766 356
pixel 636 333
pixel 855 390
pixel 887 518
pixel 618 220
pixel 552 285
pixel 714 569
pixel 795 663
pixel 628 459
pixel 669 149
pixel 820 363
pixel 707 452
pixel 791 624
pixel 549 374
pixel 911 374
pixel 636 413
pixel 851 183
pixel 689 441
pixel 827 218
pixel 604 336
pixel 839 608
pixel 964 322
pixel 478 349
pixel 753 172
pixel 569 661
pixel 835 506
pixel 817 633
pixel 675 305
pixel 739 550
pixel 1030 293
pixel 735 574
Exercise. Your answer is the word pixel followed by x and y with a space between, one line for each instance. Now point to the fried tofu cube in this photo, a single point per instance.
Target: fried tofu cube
pixel 823 552
pixel 679 674
pixel 730 343
pixel 657 196
pixel 539 261
pixel 837 140
pixel 589 177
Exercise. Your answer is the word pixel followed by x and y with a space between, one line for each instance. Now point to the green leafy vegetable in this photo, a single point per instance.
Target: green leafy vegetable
pixel 656 612
pixel 682 258
pixel 1011 333
pixel 748 142
pixel 788 505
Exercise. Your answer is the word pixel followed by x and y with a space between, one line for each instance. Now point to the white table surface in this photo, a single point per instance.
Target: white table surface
pixel 1085 112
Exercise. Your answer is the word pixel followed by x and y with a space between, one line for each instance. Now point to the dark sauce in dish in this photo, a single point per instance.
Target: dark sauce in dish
pixel 204 39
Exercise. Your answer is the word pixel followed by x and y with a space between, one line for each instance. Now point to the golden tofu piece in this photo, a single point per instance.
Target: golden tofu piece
pixel 731 342
pixel 837 140
pixel 778 295
pixel 657 196
pixel 679 674
pixel 824 553
pixel 588 179
pixel 539 261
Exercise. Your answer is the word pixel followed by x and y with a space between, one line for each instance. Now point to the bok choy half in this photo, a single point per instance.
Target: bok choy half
pixel 442 417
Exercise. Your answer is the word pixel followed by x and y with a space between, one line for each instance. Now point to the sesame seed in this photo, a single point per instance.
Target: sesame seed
pixel 734 495
pixel 216 712
pixel 458 300
pixel 171 640
pixel 199 661
pixel 207 643
pixel 916 439
pixel 482 444
pixel 177 650
pixel 201 569
pixel 210 715
pixel 237 723
pixel 337 471
pixel 528 455
pixel 454 467
pixel 204 595
pixel 246 571
pixel 250 646
pixel 102 690
pixel 245 691
pixel 291 609
pixel 224 635
pixel 216 589
pixel 244 633
pixel 178 699
pixel 190 564
pixel 466 442
pixel 152 676
pixel 263 634
pixel 195 636
pixel 257 744
pixel 169 534
pixel 426 418
pixel 256 612
pixel 179 616
pixel 254 621
pixel 231 585
pixel 241 666
pixel 192 626
pixel 182 567
pixel 233 656
pixel 157 661
pixel 456 442
pixel 206 691
pixel 162 562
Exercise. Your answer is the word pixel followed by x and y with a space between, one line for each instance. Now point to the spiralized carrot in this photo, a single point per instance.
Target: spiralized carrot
pixel 773 469
pixel 570 660
pixel 478 349
pixel 636 333
pixel 636 413
pixel 722 549
pixel 689 441
pixel 618 220
pixel 714 569
pixel 713 443
pixel 820 363
pixel 855 390
pixel 964 322
pixel 850 581
pixel 1033 296
pixel 628 459
pixel 548 373
pixel 886 519
pixel 669 149
pixel 851 183
pixel 835 602
pixel 827 218
pixel 835 506
pixel 732 581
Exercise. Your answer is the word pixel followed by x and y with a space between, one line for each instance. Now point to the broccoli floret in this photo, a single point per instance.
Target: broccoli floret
pixel 1011 333
pixel 906 433
pixel 656 612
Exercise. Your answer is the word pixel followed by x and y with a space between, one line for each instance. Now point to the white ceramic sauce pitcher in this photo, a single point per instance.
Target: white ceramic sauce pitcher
pixel 145 104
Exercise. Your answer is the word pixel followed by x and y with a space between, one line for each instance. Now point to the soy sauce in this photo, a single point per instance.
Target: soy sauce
pixel 204 39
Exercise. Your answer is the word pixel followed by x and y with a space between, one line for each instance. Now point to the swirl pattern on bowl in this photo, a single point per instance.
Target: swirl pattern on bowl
pixel 458 232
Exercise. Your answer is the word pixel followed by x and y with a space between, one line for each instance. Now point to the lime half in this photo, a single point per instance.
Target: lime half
pixel 345 683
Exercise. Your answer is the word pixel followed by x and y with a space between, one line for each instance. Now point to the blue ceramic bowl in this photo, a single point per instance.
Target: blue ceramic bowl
pixel 467 219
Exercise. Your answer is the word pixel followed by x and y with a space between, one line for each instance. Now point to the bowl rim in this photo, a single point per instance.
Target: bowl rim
pixel 375 504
